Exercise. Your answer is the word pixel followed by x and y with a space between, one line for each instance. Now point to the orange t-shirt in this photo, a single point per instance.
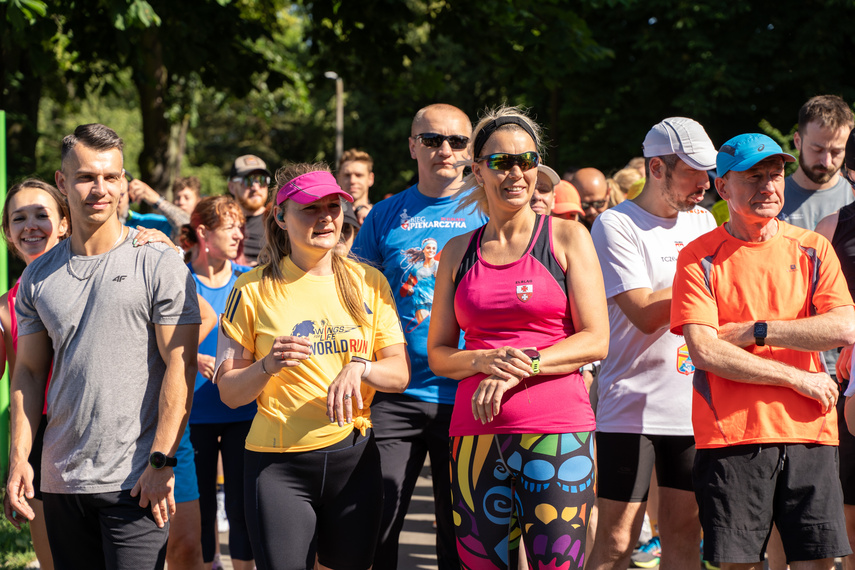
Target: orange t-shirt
pixel 721 279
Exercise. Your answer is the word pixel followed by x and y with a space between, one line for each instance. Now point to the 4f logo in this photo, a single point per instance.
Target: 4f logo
pixel 119 278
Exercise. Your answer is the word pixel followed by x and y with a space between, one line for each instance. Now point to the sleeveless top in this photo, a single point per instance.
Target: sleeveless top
pixel 843 242
pixel 523 304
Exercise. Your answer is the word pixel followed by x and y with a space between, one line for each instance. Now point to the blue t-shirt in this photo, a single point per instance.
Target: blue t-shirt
pixel 208 408
pixel 153 221
pixel 404 236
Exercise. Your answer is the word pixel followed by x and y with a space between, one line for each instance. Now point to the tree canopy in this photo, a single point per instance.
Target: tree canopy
pixel 208 80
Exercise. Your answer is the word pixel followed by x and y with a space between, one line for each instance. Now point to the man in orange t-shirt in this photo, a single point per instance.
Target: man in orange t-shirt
pixel 757 300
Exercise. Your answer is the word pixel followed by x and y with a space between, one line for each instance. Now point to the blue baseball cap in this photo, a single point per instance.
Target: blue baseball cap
pixel 744 151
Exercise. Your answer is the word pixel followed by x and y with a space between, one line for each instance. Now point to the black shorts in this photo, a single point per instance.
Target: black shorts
pixel 625 463
pixel 103 531
pixel 742 489
pixel 847 455
pixel 35 458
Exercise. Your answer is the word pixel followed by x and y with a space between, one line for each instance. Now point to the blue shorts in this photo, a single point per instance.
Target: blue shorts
pixel 186 486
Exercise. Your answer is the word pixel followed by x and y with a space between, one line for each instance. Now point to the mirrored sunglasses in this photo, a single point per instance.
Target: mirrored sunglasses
pixel 506 161
pixel 435 140
pixel 250 179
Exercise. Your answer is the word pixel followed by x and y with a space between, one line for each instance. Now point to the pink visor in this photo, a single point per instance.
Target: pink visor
pixel 310 187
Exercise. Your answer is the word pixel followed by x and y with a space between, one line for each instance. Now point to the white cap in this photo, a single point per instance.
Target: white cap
pixel 684 137
pixel 550 173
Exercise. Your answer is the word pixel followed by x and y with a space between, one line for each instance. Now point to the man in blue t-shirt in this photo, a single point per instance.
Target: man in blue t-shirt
pixel 404 236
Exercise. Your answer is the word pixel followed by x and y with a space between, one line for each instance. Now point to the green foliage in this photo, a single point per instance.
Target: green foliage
pixel 16 548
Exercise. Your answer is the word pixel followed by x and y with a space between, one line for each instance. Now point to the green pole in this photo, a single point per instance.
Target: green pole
pixel 4 282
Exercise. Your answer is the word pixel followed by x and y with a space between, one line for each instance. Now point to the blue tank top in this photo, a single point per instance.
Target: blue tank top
pixel 208 408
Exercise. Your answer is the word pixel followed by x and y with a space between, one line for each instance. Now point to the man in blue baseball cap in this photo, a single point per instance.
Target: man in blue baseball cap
pixel 757 299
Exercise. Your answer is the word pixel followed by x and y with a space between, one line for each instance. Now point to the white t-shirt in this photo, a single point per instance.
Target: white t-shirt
pixel 645 383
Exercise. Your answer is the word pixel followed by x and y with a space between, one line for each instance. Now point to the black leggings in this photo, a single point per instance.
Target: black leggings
pixel 335 492
pixel 208 440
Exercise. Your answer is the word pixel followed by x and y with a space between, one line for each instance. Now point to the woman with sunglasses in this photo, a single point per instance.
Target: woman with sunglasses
pixel 310 335
pixel 527 292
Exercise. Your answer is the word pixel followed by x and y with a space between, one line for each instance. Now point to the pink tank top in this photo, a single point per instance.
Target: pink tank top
pixel 522 304
pixel 13 293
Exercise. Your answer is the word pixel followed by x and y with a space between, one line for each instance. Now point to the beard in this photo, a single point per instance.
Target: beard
pixel 251 203
pixel 817 174
pixel 679 203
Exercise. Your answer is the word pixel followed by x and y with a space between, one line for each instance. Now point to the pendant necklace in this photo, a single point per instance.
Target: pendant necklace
pixel 100 261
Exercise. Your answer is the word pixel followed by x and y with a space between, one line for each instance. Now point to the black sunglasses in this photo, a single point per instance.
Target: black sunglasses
pixel 435 140
pixel 596 204
pixel 506 161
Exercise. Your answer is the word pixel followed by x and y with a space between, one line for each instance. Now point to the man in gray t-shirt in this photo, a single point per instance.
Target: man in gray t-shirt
pixel 121 324
pixel 816 189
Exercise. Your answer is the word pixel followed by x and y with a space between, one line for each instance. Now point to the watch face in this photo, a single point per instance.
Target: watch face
pixel 157 460
pixel 760 330
pixel 531 353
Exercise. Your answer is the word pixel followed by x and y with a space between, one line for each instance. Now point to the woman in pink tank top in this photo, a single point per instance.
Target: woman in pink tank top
pixel 528 294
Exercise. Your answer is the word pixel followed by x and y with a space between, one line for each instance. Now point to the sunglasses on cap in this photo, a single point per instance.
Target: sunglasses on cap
pixel 435 140
pixel 250 179
pixel 506 161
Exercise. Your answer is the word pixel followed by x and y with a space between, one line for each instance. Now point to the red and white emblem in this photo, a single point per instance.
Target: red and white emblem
pixel 524 292
pixel 680 245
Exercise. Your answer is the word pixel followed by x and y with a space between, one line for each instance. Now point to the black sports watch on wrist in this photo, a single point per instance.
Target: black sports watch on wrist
pixel 760 331
pixel 159 460
pixel 534 354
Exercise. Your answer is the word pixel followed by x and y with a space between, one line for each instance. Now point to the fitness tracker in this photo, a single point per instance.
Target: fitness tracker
pixel 535 359
pixel 159 460
pixel 364 361
pixel 760 330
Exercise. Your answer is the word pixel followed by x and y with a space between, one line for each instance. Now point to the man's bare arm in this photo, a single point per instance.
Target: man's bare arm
pixel 177 345
pixel 27 398
pixel 811 334
pixel 724 359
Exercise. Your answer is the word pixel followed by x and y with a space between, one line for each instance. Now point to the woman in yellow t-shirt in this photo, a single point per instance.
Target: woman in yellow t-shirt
pixel 310 335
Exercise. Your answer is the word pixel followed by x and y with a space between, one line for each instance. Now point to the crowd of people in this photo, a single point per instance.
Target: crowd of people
pixel 579 356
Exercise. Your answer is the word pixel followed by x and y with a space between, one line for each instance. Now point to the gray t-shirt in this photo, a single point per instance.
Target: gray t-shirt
pixel 100 313
pixel 805 208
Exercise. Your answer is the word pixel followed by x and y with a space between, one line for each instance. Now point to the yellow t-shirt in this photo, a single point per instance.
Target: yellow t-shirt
pixel 292 407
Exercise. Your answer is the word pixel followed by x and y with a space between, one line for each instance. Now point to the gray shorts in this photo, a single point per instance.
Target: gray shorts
pixel 742 489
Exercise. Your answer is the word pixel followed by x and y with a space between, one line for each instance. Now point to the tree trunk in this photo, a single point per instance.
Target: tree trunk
pixel 150 77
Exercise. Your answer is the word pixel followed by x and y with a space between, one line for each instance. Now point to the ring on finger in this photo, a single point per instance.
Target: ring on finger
pixel 347 396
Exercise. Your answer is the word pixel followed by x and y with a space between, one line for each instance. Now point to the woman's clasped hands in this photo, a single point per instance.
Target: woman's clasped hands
pixel 506 367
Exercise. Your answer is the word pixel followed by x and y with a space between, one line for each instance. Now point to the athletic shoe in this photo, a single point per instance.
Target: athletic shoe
pixel 648 555
pixel 217 564
pixel 222 520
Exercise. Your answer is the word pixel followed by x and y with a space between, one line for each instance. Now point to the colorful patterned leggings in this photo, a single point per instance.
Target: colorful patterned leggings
pixel 547 481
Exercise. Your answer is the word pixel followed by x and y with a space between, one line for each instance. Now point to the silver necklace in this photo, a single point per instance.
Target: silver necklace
pixel 100 261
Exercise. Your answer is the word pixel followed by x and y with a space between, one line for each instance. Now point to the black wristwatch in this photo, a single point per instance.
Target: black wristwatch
pixel 535 359
pixel 760 330
pixel 160 460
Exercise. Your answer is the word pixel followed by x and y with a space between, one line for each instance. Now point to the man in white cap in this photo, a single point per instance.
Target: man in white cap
pixel 643 414
pixel 543 198
pixel 249 182
pixel 757 300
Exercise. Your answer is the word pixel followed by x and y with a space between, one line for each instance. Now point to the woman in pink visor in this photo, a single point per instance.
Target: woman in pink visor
pixel 310 335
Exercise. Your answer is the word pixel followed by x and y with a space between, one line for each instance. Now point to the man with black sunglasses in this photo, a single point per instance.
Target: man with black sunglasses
pixel 593 192
pixel 249 180
pixel 404 236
